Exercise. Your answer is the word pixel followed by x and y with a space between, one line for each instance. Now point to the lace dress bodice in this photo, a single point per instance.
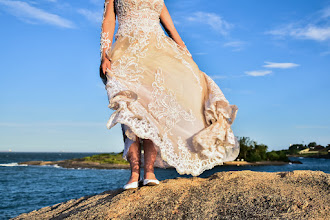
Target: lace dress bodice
pixel 136 18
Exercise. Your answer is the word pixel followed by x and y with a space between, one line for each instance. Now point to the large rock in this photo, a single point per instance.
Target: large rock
pixel 224 195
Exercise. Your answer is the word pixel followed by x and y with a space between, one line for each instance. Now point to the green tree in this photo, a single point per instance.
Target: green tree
pixel 252 151
pixel 261 150
pixel 295 148
pixel 254 156
pixel 312 144
pixel 273 156
pixel 245 147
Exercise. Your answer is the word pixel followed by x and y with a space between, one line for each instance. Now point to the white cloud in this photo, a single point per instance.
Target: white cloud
pixel 31 14
pixel 258 72
pixel 280 65
pixel 315 27
pixel 176 22
pixel 310 32
pixel 325 13
pixel 325 53
pixel 270 65
pixel 213 20
pixel 236 45
pixel 94 16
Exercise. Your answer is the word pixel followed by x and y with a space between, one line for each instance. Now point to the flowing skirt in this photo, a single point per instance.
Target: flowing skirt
pixel 159 93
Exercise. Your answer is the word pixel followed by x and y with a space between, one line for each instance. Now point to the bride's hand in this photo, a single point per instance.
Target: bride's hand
pixel 105 64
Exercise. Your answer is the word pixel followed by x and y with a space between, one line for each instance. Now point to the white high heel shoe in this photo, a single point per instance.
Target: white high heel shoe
pixel 149 182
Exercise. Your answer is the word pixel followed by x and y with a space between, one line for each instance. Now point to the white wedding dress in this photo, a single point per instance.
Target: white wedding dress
pixel 159 93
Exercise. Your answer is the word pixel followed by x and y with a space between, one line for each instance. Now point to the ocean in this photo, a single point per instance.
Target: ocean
pixel 26 188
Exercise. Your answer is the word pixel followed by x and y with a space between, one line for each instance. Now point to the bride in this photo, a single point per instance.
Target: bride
pixel 165 104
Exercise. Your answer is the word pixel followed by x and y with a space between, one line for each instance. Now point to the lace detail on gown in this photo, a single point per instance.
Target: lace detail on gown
pixel 159 93
pixel 164 104
pixel 105 42
pixel 138 18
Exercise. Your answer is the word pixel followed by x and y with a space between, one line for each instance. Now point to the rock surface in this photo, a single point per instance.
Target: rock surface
pixel 223 195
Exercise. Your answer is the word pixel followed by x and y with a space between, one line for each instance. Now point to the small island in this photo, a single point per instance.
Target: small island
pixel 98 161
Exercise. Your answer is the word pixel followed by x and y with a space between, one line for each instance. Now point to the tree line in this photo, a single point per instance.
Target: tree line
pixel 251 151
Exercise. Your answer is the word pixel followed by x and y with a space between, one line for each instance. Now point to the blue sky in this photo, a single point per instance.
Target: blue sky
pixel 270 58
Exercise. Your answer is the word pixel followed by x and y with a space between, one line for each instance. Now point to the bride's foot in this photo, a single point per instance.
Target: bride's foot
pixel 150 176
pixel 134 177
pixel 150 179
pixel 133 182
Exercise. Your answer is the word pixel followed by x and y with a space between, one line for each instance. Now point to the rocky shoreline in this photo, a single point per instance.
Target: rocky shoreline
pixel 224 195
pixel 325 156
pixel 76 164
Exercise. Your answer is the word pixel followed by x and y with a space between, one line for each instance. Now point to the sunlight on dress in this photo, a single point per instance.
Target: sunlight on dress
pixel 159 93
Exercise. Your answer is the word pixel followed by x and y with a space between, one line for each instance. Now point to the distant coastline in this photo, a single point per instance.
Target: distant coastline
pixel 326 156
pixel 115 161
pixel 77 164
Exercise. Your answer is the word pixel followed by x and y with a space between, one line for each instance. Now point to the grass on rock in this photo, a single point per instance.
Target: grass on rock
pixel 112 158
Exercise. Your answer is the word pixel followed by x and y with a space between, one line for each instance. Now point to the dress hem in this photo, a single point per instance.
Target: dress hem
pixel 129 119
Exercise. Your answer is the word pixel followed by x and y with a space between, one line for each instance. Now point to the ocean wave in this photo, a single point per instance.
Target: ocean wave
pixel 50 165
pixel 12 165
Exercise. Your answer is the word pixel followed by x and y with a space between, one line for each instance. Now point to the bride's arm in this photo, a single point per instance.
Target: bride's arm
pixel 169 27
pixel 108 27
